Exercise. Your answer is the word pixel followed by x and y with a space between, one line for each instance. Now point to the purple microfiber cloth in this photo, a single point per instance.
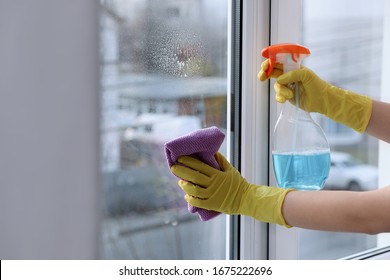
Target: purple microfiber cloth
pixel 202 144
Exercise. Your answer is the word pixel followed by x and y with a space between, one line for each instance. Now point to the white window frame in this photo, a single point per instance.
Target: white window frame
pixel 263 23
pixel 255 118
pixel 384 148
pixel 286 17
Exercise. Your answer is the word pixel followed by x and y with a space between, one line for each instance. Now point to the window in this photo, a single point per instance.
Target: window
pixel 164 74
pixel 344 38
pixel 346 41
pixel 166 71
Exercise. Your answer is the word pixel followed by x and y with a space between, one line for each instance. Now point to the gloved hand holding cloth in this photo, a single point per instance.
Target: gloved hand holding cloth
pixel 201 144
pixel 227 191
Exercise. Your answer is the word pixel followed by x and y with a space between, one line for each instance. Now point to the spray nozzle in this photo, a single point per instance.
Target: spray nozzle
pixel 290 55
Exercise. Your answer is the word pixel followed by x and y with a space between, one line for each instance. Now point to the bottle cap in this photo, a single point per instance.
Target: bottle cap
pixel 272 51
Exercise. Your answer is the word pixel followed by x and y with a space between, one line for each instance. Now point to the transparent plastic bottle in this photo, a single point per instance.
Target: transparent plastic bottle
pixel 301 153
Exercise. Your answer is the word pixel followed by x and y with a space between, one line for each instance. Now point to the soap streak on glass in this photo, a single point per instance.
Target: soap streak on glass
pixel 178 53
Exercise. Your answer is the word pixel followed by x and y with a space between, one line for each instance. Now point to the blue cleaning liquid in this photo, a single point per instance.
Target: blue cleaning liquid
pixel 306 171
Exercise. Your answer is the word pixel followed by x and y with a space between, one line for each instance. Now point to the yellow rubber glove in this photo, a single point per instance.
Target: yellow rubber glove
pixel 276 72
pixel 316 95
pixel 227 191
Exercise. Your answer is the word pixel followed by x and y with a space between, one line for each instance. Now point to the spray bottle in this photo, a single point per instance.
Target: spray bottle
pixel 301 153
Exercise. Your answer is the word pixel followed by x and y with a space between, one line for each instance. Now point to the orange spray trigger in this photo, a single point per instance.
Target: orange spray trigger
pixel 287 54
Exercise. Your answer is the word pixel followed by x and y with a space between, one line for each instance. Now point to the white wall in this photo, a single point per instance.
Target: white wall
pixel 48 129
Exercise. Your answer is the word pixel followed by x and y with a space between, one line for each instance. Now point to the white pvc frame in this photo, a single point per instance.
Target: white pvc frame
pixel 286 16
pixel 384 148
pixel 258 240
pixel 255 119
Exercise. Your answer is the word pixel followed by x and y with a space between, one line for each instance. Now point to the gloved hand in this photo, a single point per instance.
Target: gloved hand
pixel 227 191
pixel 316 95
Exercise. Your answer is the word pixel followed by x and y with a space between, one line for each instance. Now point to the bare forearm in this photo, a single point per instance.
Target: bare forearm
pixel 365 212
pixel 379 124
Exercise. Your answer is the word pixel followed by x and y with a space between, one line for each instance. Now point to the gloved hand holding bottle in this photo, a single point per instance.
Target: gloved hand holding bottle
pixel 317 95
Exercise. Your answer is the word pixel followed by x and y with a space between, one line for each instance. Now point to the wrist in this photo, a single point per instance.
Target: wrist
pixel 349 108
pixel 264 204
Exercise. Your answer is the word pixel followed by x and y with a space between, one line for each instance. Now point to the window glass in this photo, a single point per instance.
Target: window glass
pixel 164 74
pixel 346 41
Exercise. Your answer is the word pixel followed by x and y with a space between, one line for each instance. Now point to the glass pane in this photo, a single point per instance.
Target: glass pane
pixel 164 74
pixel 346 41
